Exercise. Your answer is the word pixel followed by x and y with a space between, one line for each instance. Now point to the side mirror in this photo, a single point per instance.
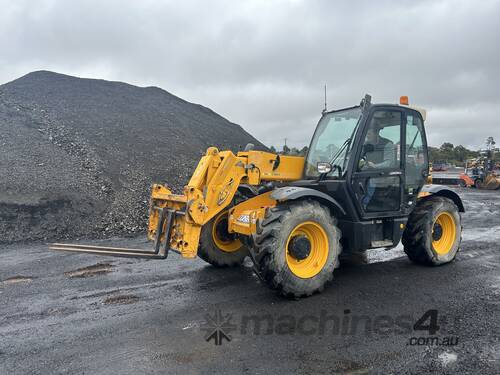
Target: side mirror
pixel 324 167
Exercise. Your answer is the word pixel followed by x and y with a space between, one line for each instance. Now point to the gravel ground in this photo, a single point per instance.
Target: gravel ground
pixel 78 156
pixel 69 313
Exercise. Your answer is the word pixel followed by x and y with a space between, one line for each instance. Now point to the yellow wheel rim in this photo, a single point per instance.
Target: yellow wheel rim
pixel 223 239
pixel 443 233
pixel 318 255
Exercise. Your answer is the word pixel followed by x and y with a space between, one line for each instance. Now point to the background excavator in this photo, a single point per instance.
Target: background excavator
pixel 362 185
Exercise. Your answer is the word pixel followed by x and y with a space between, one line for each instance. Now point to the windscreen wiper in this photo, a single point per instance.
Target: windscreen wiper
pixel 335 157
pixel 341 149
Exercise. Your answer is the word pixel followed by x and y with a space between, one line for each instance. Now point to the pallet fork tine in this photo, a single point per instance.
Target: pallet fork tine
pixel 158 252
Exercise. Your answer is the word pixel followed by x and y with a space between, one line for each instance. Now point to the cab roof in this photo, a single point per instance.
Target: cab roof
pixel 367 100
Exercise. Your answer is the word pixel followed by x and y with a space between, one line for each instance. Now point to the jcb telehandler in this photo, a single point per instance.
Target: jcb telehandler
pixel 362 185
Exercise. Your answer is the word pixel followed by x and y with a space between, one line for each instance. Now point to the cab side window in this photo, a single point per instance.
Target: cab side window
pixel 416 156
pixel 381 147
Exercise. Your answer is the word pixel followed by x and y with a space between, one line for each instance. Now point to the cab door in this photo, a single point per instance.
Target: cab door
pixel 415 159
pixel 378 175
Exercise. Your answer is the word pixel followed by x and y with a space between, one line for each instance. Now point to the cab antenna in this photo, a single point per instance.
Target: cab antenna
pixel 325 109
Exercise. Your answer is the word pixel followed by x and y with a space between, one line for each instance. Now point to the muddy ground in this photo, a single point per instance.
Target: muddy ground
pixel 67 313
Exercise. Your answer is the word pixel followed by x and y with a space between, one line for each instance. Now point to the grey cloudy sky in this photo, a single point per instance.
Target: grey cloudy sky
pixel 263 64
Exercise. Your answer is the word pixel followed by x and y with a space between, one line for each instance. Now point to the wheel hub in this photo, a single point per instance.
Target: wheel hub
pixel 437 232
pixel 299 247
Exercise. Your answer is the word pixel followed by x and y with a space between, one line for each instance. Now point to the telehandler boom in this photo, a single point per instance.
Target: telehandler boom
pixel 362 185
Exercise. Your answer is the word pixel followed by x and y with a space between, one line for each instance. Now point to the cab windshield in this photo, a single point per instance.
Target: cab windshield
pixel 332 140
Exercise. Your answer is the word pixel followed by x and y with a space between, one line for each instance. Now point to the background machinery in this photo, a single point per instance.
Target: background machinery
pixel 480 173
pixel 362 185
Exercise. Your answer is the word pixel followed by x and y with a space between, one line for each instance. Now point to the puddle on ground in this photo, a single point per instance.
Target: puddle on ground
pixel 16 280
pixel 122 299
pixel 96 269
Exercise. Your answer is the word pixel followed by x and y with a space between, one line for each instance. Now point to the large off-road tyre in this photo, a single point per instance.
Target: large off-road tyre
pixel 218 247
pixel 433 232
pixel 296 248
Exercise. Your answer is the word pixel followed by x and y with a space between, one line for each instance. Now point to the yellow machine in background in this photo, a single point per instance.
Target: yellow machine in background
pixel 480 173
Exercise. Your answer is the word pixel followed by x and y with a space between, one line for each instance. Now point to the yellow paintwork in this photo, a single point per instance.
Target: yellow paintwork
pixel 290 167
pixel 445 243
pixel 491 182
pixel 423 194
pixel 184 234
pixel 211 189
pixel 254 208
pixel 314 263
pixel 429 177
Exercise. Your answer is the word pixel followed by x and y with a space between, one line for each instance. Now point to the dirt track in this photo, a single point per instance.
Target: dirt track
pixel 66 313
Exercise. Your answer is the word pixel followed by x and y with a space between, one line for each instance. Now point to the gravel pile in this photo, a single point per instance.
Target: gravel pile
pixel 78 156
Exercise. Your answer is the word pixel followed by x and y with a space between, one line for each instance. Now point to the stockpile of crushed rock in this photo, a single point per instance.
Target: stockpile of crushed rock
pixel 78 156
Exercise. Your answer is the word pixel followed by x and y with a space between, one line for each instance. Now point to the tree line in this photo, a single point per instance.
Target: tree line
pixel 457 155
pixel 290 151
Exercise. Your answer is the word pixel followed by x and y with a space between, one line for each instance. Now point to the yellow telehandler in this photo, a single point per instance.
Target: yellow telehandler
pixel 362 185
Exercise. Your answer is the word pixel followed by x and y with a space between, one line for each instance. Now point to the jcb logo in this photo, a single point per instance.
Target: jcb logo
pixel 225 191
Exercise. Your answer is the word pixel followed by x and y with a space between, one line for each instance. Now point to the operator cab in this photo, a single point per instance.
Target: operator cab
pixel 372 158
